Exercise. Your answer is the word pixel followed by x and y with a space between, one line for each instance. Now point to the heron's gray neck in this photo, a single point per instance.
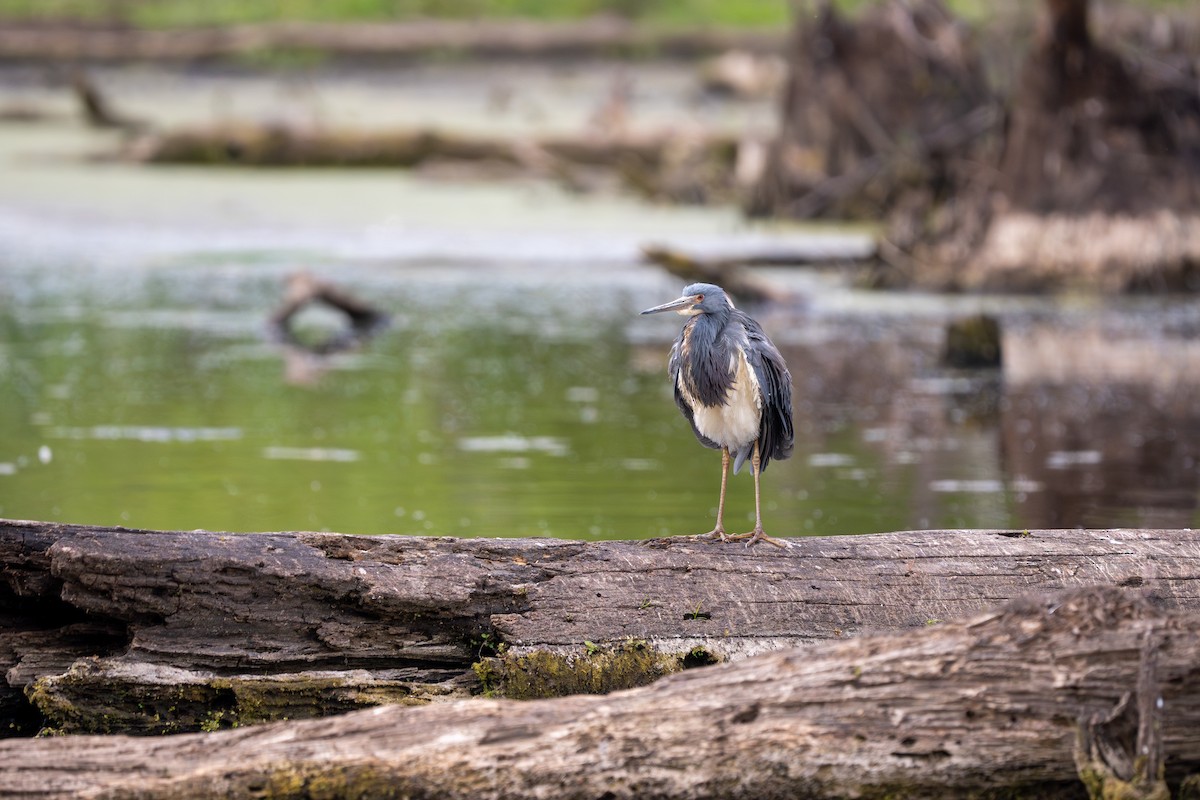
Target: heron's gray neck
pixel 709 366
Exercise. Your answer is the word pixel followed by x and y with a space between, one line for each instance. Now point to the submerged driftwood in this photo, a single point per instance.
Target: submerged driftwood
pixel 730 273
pixel 303 290
pixel 1090 688
pixel 111 630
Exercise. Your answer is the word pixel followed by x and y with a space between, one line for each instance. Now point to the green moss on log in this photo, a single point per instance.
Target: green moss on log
pixel 1102 784
pixel 596 669
pixel 90 699
pixel 305 780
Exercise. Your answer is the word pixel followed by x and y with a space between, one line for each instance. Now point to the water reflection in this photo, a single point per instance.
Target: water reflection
pixel 520 406
pixel 1106 422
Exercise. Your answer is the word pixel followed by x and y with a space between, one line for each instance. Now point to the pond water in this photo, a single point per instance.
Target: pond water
pixel 516 391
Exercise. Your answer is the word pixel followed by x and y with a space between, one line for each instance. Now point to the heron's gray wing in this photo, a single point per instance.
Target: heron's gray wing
pixel 673 367
pixel 775 437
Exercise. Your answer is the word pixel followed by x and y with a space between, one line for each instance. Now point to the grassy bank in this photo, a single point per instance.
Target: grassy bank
pixel 172 13
pixel 179 13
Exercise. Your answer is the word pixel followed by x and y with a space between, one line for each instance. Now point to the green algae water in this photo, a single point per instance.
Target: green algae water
pixel 516 392
pixel 501 402
pixel 492 406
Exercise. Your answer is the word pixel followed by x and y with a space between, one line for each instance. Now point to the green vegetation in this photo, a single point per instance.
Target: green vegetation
pixel 176 13
pixel 72 703
pixel 599 669
pixel 171 13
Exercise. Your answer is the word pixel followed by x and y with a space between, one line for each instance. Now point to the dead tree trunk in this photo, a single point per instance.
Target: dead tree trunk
pixel 1086 176
pixel 1099 178
pixel 1092 687
pixel 109 630
pixel 875 109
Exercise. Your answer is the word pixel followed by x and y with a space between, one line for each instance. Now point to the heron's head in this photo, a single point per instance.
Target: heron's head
pixel 698 298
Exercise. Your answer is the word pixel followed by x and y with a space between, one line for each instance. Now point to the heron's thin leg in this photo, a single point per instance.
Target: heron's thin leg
pixel 756 535
pixel 755 461
pixel 719 531
pixel 724 482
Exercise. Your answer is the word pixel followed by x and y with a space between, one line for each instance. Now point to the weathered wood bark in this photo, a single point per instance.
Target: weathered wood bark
pixel 1024 701
pixel 375 40
pixel 111 630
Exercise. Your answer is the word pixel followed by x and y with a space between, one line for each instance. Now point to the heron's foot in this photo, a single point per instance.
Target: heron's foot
pixel 717 533
pixel 754 537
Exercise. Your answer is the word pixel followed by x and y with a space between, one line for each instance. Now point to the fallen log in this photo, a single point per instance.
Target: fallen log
pixel 693 167
pixel 112 630
pixel 725 263
pixel 282 145
pixel 1092 687
pixel 279 145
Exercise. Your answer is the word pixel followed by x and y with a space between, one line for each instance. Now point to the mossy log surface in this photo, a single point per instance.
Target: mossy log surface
pixel 109 630
pixel 1095 687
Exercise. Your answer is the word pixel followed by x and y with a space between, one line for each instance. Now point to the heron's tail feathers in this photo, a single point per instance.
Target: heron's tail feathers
pixel 742 456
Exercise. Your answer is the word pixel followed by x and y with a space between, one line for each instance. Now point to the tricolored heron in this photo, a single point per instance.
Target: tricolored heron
pixel 733 387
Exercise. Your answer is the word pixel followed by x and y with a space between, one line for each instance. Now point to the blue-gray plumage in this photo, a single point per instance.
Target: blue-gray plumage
pixel 734 389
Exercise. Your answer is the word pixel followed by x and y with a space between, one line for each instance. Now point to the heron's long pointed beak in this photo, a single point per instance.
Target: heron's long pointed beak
pixel 674 305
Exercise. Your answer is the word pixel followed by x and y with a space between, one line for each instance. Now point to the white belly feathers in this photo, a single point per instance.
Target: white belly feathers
pixel 736 423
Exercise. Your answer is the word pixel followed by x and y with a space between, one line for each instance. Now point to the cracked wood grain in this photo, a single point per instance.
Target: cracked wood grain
pixel 105 628
pixel 991 706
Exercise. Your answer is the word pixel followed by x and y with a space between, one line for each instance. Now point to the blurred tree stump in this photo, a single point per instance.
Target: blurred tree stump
pixel 972 343
pixel 875 109
pixel 1099 182
pixel 109 630
pixel 1087 176
pixel 1087 692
